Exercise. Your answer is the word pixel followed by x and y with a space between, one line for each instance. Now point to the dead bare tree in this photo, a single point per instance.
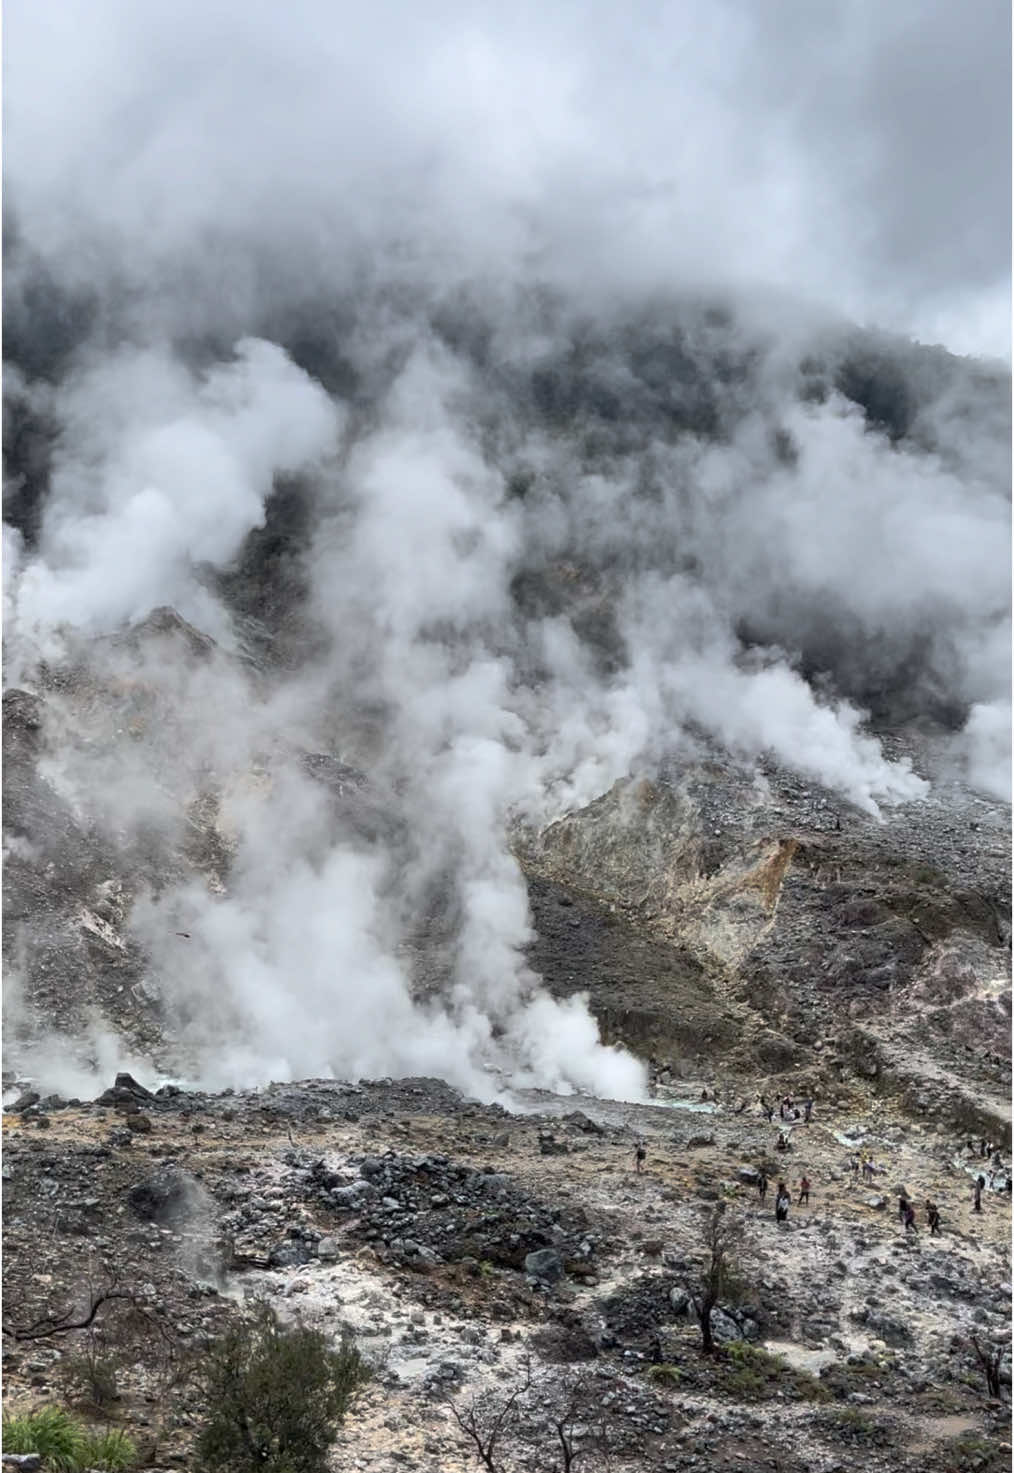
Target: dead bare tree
pixel 567 1418
pixel 63 1321
pixel 719 1274
pixel 485 1429
pixel 990 1358
pixel 565 1410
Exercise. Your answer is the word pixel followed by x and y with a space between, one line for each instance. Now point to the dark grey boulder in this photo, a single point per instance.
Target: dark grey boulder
pixel 544 1264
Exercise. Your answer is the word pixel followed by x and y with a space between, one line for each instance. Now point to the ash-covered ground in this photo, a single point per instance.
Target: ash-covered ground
pixel 472 1249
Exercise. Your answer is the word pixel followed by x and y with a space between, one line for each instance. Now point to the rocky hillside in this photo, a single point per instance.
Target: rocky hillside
pixel 474 1251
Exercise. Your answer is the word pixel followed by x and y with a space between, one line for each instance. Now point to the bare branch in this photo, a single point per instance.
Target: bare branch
pixel 61 1323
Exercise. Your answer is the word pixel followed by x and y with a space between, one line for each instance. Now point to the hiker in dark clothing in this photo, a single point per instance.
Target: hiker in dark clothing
pixel 933 1218
pixel 808 1111
pixel 762 1186
pixel 781 1144
pixel 782 1203
pixel 639 1155
pixel 982 1147
pixel 910 1226
pixel 980 1182
pixel 902 1208
pixel 804 1191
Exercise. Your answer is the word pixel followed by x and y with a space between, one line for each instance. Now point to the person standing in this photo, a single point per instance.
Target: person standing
pixel 782 1203
pixel 804 1191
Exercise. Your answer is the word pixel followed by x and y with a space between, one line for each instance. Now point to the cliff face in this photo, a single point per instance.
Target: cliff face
pixel 869 947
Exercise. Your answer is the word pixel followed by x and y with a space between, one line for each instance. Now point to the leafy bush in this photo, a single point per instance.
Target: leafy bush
pixel 753 1374
pixel 111 1451
pixel 665 1374
pixel 51 1433
pixel 275 1397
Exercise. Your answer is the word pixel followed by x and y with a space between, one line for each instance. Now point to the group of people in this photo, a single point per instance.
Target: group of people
pixel 860 1164
pixel 865 1165
pixel 783 1199
pixel 788 1109
pixel 994 1168
pixel 906 1215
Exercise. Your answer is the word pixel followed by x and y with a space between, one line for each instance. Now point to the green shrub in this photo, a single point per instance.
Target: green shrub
pixel 111 1451
pixel 746 1385
pixel 274 1397
pixel 67 1445
pixel 752 1373
pixel 51 1433
pixel 665 1374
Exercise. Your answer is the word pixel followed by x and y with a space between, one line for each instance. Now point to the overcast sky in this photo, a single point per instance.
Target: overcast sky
pixel 856 154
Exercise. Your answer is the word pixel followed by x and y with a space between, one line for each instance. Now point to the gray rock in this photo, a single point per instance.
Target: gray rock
pixel 327 1249
pixel 891 1330
pixel 550 1146
pixel 354 1196
pixel 877 1203
pixel 544 1264
pixel 166 1198
pixel 749 1175
pixel 723 1327
pixel 28 1461
pixel 679 1301
pixel 25 1102
pixel 127 1081
pixel 293 1253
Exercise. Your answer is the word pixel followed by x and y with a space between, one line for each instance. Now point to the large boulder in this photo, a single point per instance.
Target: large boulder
pixel 545 1264
pixel 167 1198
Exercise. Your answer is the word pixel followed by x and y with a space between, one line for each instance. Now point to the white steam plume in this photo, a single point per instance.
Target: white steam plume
pixel 550 511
